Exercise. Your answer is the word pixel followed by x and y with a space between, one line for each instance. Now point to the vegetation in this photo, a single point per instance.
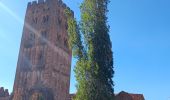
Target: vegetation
pixel 91 46
pixel 40 97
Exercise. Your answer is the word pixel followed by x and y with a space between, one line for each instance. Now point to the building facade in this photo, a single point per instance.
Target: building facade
pixel 44 63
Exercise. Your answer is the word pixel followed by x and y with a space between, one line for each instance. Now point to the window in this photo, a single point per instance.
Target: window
pixel 43 37
pixel 46 9
pixel 32 37
pixel 26 61
pixel 44 34
pixel 41 59
pixel 30 40
pixel 45 19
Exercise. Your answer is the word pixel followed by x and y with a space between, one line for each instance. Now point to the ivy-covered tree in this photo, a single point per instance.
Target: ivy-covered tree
pixel 79 52
pixel 91 45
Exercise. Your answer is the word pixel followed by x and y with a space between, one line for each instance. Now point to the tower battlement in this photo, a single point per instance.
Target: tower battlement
pixel 3 92
pixel 59 2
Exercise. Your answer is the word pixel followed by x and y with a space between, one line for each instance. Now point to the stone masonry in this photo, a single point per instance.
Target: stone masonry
pixel 44 63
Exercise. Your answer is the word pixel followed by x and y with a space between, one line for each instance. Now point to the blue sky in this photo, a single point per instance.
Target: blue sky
pixel 140 34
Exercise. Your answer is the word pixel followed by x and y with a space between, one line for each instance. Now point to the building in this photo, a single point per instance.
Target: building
pixel 121 96
pixel 44 63
pixel 128 96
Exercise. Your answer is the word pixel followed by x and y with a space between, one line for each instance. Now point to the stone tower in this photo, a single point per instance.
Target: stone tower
pixel 43 68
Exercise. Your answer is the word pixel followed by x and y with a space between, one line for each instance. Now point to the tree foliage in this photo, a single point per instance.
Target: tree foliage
pixel 91 45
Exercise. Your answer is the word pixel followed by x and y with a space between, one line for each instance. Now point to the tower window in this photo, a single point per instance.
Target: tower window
pixel 35 20
pixel 46 9
pixel 45 19
pixel 26 61
pixel 43 37
pixel 40 58
pixel 40 63
pixel 44 34
pixel 32 37
pixel 30 40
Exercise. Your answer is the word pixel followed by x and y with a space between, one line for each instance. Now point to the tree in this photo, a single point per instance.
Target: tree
pixel 91 45
pixel 80 54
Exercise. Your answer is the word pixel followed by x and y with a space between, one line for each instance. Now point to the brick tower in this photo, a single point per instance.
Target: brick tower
pixel 43 68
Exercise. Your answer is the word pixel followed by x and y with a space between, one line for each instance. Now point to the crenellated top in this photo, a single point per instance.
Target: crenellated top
pixel 60 2
pixel 3 92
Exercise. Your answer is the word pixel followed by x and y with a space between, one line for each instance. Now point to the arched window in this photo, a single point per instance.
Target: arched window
pixel 30 40
pixel 40 58
pixel 44 34
pixel 26 65
pixel 46 9
pixel 32 37
pixel 43 37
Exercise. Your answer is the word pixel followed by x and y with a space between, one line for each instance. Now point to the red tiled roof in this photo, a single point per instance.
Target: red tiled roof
pixel 137 96
pixel 129 96
pixel 121 96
